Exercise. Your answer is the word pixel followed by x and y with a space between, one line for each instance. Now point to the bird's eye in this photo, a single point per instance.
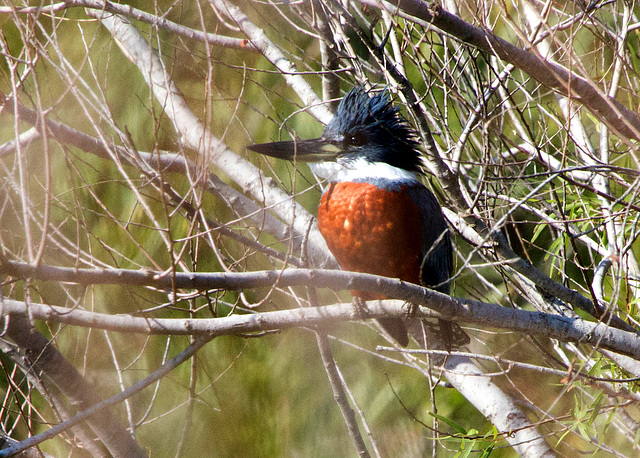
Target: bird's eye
pixel 357 139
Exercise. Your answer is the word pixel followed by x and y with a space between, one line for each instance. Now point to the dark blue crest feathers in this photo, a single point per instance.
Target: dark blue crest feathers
pixel 385 136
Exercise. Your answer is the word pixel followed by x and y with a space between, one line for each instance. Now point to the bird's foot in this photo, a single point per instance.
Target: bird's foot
pixel 361 307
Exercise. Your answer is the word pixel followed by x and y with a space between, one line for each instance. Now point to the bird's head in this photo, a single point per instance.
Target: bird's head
pixel 364 131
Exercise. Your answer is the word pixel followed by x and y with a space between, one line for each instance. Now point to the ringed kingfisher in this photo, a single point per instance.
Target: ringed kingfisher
pixel 375 214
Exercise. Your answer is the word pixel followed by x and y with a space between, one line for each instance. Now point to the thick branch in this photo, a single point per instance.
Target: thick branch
pixel 613 113
pixel 477 387
pixel 288 71
pixel 244 280
pixel 439 306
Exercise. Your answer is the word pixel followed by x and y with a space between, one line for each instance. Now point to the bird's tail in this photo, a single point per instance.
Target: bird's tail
pixel 396 329
pixel 452 335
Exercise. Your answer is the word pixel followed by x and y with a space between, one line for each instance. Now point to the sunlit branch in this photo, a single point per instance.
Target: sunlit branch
pixel 142 16
pixel 439 306
pixel 193 134
pixel 286 68
pixel 157 163
pixel 613 113
pixel 56 371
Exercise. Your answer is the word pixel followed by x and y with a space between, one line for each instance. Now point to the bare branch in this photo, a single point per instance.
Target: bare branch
pixel 613 113
pixel 277 58
pixel 55 368
pixel 143 16
pixel 439 306
pixel 194 135
pixel 514 109
pixel 97 409
pixel 339 395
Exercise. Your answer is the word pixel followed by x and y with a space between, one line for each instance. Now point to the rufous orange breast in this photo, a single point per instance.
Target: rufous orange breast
pixel 372 230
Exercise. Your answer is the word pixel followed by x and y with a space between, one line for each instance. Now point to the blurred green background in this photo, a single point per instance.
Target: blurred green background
pixel 267 396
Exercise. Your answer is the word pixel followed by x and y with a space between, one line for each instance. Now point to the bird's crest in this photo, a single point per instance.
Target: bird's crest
pixel 372 122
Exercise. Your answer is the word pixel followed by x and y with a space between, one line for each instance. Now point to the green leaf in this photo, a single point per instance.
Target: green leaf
pixel 464 453
pixel 487 452
pixel 563 436
pixel 579 408
pixel 583 430
pixel 597 404
pixel 537 232
pixel 449 422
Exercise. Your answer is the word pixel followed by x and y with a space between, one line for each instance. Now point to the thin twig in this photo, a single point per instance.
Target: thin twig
pixel 159 373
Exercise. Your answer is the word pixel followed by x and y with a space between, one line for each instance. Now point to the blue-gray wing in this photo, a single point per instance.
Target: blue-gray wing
pixel 437 253
pixel 437 262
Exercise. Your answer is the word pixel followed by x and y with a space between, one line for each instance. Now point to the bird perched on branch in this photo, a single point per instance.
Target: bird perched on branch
pixel 375 215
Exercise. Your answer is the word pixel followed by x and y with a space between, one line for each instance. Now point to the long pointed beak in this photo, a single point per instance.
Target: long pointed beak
pixel 301 150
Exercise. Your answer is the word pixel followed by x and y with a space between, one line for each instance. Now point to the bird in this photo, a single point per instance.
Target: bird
pixel 375 214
